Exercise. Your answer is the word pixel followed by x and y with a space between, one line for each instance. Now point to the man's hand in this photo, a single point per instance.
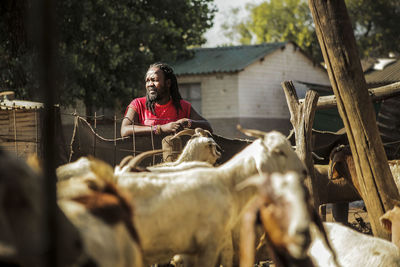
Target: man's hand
pixel 175 126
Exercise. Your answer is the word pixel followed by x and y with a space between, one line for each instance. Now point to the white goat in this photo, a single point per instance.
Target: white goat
pixel 200 147
pixel 200 151
pixel 194 211
pixel 352 248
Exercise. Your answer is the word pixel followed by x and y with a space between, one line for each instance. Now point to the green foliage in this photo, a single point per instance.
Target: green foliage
pixel 375 25
pixel 105 47
pixel 17 58
pixel 276 21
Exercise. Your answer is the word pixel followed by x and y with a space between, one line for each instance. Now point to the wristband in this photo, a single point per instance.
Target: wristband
pixel 158 129
pixel 189 123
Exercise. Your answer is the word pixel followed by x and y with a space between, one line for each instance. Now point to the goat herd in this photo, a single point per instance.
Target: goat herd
pixel 186 213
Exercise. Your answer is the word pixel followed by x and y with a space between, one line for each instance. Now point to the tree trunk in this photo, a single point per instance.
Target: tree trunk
pixel 339 49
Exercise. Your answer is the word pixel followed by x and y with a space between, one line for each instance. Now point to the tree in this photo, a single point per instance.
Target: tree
pixel 105 47
pixel 17 71
pixel 375 25
pixel 275 21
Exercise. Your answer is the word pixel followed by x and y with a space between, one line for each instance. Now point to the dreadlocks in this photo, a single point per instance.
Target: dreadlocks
pixel 174 90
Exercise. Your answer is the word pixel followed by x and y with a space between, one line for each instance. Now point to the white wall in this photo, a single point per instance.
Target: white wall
pixel 260 91
pixel 219 94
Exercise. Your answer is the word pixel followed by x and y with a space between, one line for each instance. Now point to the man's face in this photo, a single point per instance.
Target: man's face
pixel 156 86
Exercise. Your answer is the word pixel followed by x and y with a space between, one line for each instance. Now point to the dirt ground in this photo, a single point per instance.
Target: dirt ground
pixel 358 217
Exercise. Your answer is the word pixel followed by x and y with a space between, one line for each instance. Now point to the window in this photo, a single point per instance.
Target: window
pixel 192 92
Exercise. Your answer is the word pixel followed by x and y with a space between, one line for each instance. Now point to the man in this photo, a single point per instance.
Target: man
pixel 162 110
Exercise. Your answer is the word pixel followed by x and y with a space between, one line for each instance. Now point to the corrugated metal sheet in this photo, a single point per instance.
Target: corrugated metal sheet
pixel 390 74
pixel 388 121
pixel 19 104
pixel 20 126
pixel 223 59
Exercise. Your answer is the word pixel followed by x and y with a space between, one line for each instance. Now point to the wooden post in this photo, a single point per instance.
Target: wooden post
pixel 302 119
pixel 172 148
pixel 336 38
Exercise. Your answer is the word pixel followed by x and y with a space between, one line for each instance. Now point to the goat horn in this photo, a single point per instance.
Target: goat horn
pixel 184 132
pixel 125 160
pixel 250 132
pixel 133 163
pixel 316 156
pixel 290 134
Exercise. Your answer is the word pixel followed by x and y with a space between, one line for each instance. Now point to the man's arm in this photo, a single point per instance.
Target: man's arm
pixel 132 117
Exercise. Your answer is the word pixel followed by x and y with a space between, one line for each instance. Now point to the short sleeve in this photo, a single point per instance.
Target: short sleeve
pixel 135 105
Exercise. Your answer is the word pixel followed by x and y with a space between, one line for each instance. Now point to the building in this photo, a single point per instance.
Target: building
pixel 242 84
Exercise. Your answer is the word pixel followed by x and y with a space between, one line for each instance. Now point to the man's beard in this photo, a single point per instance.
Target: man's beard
pixel 151 99
pixel 157 96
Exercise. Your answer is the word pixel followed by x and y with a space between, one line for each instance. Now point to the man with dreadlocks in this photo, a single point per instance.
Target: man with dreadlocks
pixel 162 110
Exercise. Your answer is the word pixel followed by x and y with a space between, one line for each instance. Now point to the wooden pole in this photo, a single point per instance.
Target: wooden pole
pixel 338 45
pixel 44 33
pixel 302 118
pixel 376 94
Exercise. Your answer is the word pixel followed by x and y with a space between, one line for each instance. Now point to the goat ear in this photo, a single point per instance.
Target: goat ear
pixel 332 171
pixel 250 132
pixel 386 221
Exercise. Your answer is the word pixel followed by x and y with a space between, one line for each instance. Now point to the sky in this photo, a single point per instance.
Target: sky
pixel 214 35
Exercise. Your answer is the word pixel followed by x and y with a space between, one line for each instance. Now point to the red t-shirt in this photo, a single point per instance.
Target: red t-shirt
pixel 165 113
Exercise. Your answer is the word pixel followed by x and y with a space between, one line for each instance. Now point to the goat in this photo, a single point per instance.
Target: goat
pixel 352 248
pixel 93 199
pixel 284 210
pixel 287 215
pixel 332 244
pixel 390 222
pixel 194 211
pixel 200 151
pixel 341 166
pixel 200 147
pixel 85 236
